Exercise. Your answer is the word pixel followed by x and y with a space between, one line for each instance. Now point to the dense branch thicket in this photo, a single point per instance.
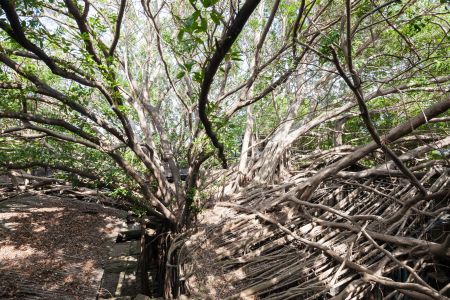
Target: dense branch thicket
pixel 146 99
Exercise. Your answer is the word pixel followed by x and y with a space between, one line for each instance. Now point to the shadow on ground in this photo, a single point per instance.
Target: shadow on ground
pixel 54 247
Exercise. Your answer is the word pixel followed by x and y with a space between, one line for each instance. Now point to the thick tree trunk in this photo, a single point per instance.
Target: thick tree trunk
pixel 338 131
pixel 269 160
pixel 246 145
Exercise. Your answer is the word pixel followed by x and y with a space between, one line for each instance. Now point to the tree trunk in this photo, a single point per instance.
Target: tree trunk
pixel 269 160
pixel 246 145
pixel 338 131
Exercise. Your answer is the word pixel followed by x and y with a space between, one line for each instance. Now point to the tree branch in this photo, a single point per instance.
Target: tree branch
pixel 222 49
pixel 118 26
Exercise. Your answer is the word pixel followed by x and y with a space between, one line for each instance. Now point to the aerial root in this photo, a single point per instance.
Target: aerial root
pixel 353 238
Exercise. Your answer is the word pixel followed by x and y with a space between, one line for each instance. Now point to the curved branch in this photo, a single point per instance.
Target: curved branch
pixel 93 141
pixel 355 86
pixel 15 31
pixel 82 173
pixel 81 22
pixel 118 26
pixel 45 89
pixel 405 128
pixel 222 48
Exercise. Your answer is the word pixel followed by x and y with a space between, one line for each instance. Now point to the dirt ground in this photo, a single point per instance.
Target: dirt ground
pixel 54 247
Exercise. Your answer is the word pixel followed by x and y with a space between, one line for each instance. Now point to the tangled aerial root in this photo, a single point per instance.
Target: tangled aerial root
pixel 354 238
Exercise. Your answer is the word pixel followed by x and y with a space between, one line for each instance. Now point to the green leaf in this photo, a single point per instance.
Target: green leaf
pixel 180 74
pixel 188 66
pixel 216 17
pixel 236 56
pixel 209 3
pixel 203 25
pixel 191 22
pixel 198 77
pixel 180 35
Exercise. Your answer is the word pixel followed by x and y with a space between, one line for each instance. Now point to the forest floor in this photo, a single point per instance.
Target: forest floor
pixel 54 247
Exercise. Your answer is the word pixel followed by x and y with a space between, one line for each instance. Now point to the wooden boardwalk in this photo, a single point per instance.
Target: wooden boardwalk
pixel 66 249
pixel 121 277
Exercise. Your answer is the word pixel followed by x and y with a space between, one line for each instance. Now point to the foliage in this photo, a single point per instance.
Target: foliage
pixel 128 113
